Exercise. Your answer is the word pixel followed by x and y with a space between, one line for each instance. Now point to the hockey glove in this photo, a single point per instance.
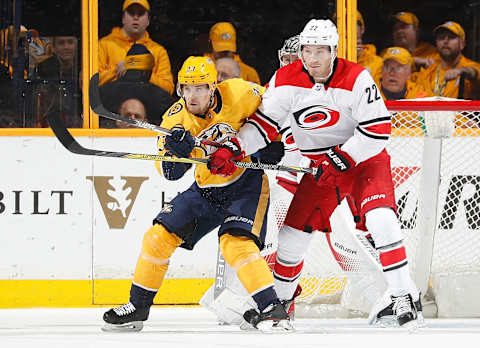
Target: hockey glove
pixel 335 163
pixel 272 153
pixel 221 161
pixel 180 142
pixel 174 170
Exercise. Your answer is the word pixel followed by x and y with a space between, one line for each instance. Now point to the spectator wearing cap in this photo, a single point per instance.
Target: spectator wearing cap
pixel 135 84
pixel 227 68
pixel 454 75
pixel 113 48
pixel 367 53
pixel 223 39
pixel 395 82
pixel 406 34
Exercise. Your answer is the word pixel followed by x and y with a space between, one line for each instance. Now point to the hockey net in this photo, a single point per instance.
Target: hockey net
pixel 435 158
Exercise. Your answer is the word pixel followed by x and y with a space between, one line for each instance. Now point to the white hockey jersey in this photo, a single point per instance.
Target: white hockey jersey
pixel 292 157
pixel 347 110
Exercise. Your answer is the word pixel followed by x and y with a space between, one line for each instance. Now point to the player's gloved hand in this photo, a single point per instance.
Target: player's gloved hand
pixel 272 153
pixel 174 170
pixel 334 163
pixel 221 161
pixel 180 142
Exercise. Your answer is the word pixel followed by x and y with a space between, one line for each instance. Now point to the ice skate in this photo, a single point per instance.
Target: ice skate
pixel 289 305
pixel 272 318
pixel 404 310
pixel 384 315
pixel 125 318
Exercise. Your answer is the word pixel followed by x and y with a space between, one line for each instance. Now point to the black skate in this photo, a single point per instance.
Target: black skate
pixel 387 317
pixel 125 318
pixel 274 317
pixel 404 310
pixel 289 305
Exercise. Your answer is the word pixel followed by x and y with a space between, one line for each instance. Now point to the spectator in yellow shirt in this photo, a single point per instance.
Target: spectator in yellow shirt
pixel 367 53
pixel 406 34
pixel 113 48
pixel 135 84
pixel 223 38
pixel 395 82
pixel 227 68
pixel 454 76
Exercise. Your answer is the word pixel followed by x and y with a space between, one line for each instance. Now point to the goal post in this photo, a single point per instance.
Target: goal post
pixel 444 245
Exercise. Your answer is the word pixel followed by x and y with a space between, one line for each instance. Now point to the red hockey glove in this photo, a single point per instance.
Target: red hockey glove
pixel 221 161
pixel 334 164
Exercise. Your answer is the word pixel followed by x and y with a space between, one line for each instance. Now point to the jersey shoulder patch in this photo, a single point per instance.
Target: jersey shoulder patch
pixel 175 109
pixel 293 75
pixel 345 74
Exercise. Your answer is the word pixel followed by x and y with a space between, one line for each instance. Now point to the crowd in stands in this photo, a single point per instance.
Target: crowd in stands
pixel 415 69
pixel 136 72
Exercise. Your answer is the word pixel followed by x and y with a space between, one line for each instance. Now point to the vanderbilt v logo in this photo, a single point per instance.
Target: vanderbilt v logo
pixel 117 196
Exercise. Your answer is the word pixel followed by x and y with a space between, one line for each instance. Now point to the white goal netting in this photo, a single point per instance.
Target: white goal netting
pixel 435 151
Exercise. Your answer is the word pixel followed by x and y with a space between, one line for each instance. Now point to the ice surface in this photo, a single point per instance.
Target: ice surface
pixel 195 327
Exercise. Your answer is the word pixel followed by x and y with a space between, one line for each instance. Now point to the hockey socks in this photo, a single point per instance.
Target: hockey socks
pixel 157 247
pixel 287 277
pixel 243 255
pixel 395 269
pixel 292 245
pixel 140 297
pixel 265 297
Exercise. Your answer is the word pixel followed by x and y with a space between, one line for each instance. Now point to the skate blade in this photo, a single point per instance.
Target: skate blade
pixel 412 325
pixel 386 322
pixel 134 326
pixel 270 326
pixel 421 320
pixel 246 326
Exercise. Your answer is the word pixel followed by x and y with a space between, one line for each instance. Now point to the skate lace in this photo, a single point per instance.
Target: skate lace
pixel 125 309
pixel 401 305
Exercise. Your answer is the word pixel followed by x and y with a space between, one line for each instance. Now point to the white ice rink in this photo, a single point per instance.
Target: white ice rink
pixel 195 327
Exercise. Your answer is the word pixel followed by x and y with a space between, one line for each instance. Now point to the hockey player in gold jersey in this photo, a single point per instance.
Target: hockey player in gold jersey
pixel 237 204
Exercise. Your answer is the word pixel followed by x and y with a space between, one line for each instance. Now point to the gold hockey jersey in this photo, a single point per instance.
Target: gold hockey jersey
pixel 235 101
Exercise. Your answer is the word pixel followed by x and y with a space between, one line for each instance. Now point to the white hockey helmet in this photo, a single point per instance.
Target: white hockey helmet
pixel 320 32
pixel 290 46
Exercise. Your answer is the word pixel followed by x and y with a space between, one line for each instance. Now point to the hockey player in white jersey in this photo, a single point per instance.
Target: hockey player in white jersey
pixel 339 121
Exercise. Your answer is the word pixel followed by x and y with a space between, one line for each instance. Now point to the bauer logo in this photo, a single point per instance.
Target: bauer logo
pixel 372 198
pixel 117 196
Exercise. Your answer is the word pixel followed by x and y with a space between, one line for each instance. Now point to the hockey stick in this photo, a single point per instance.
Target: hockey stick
pixel 358 260
pixel 371 252
pixel 69 142
pixel 98 108
pixel 219 275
